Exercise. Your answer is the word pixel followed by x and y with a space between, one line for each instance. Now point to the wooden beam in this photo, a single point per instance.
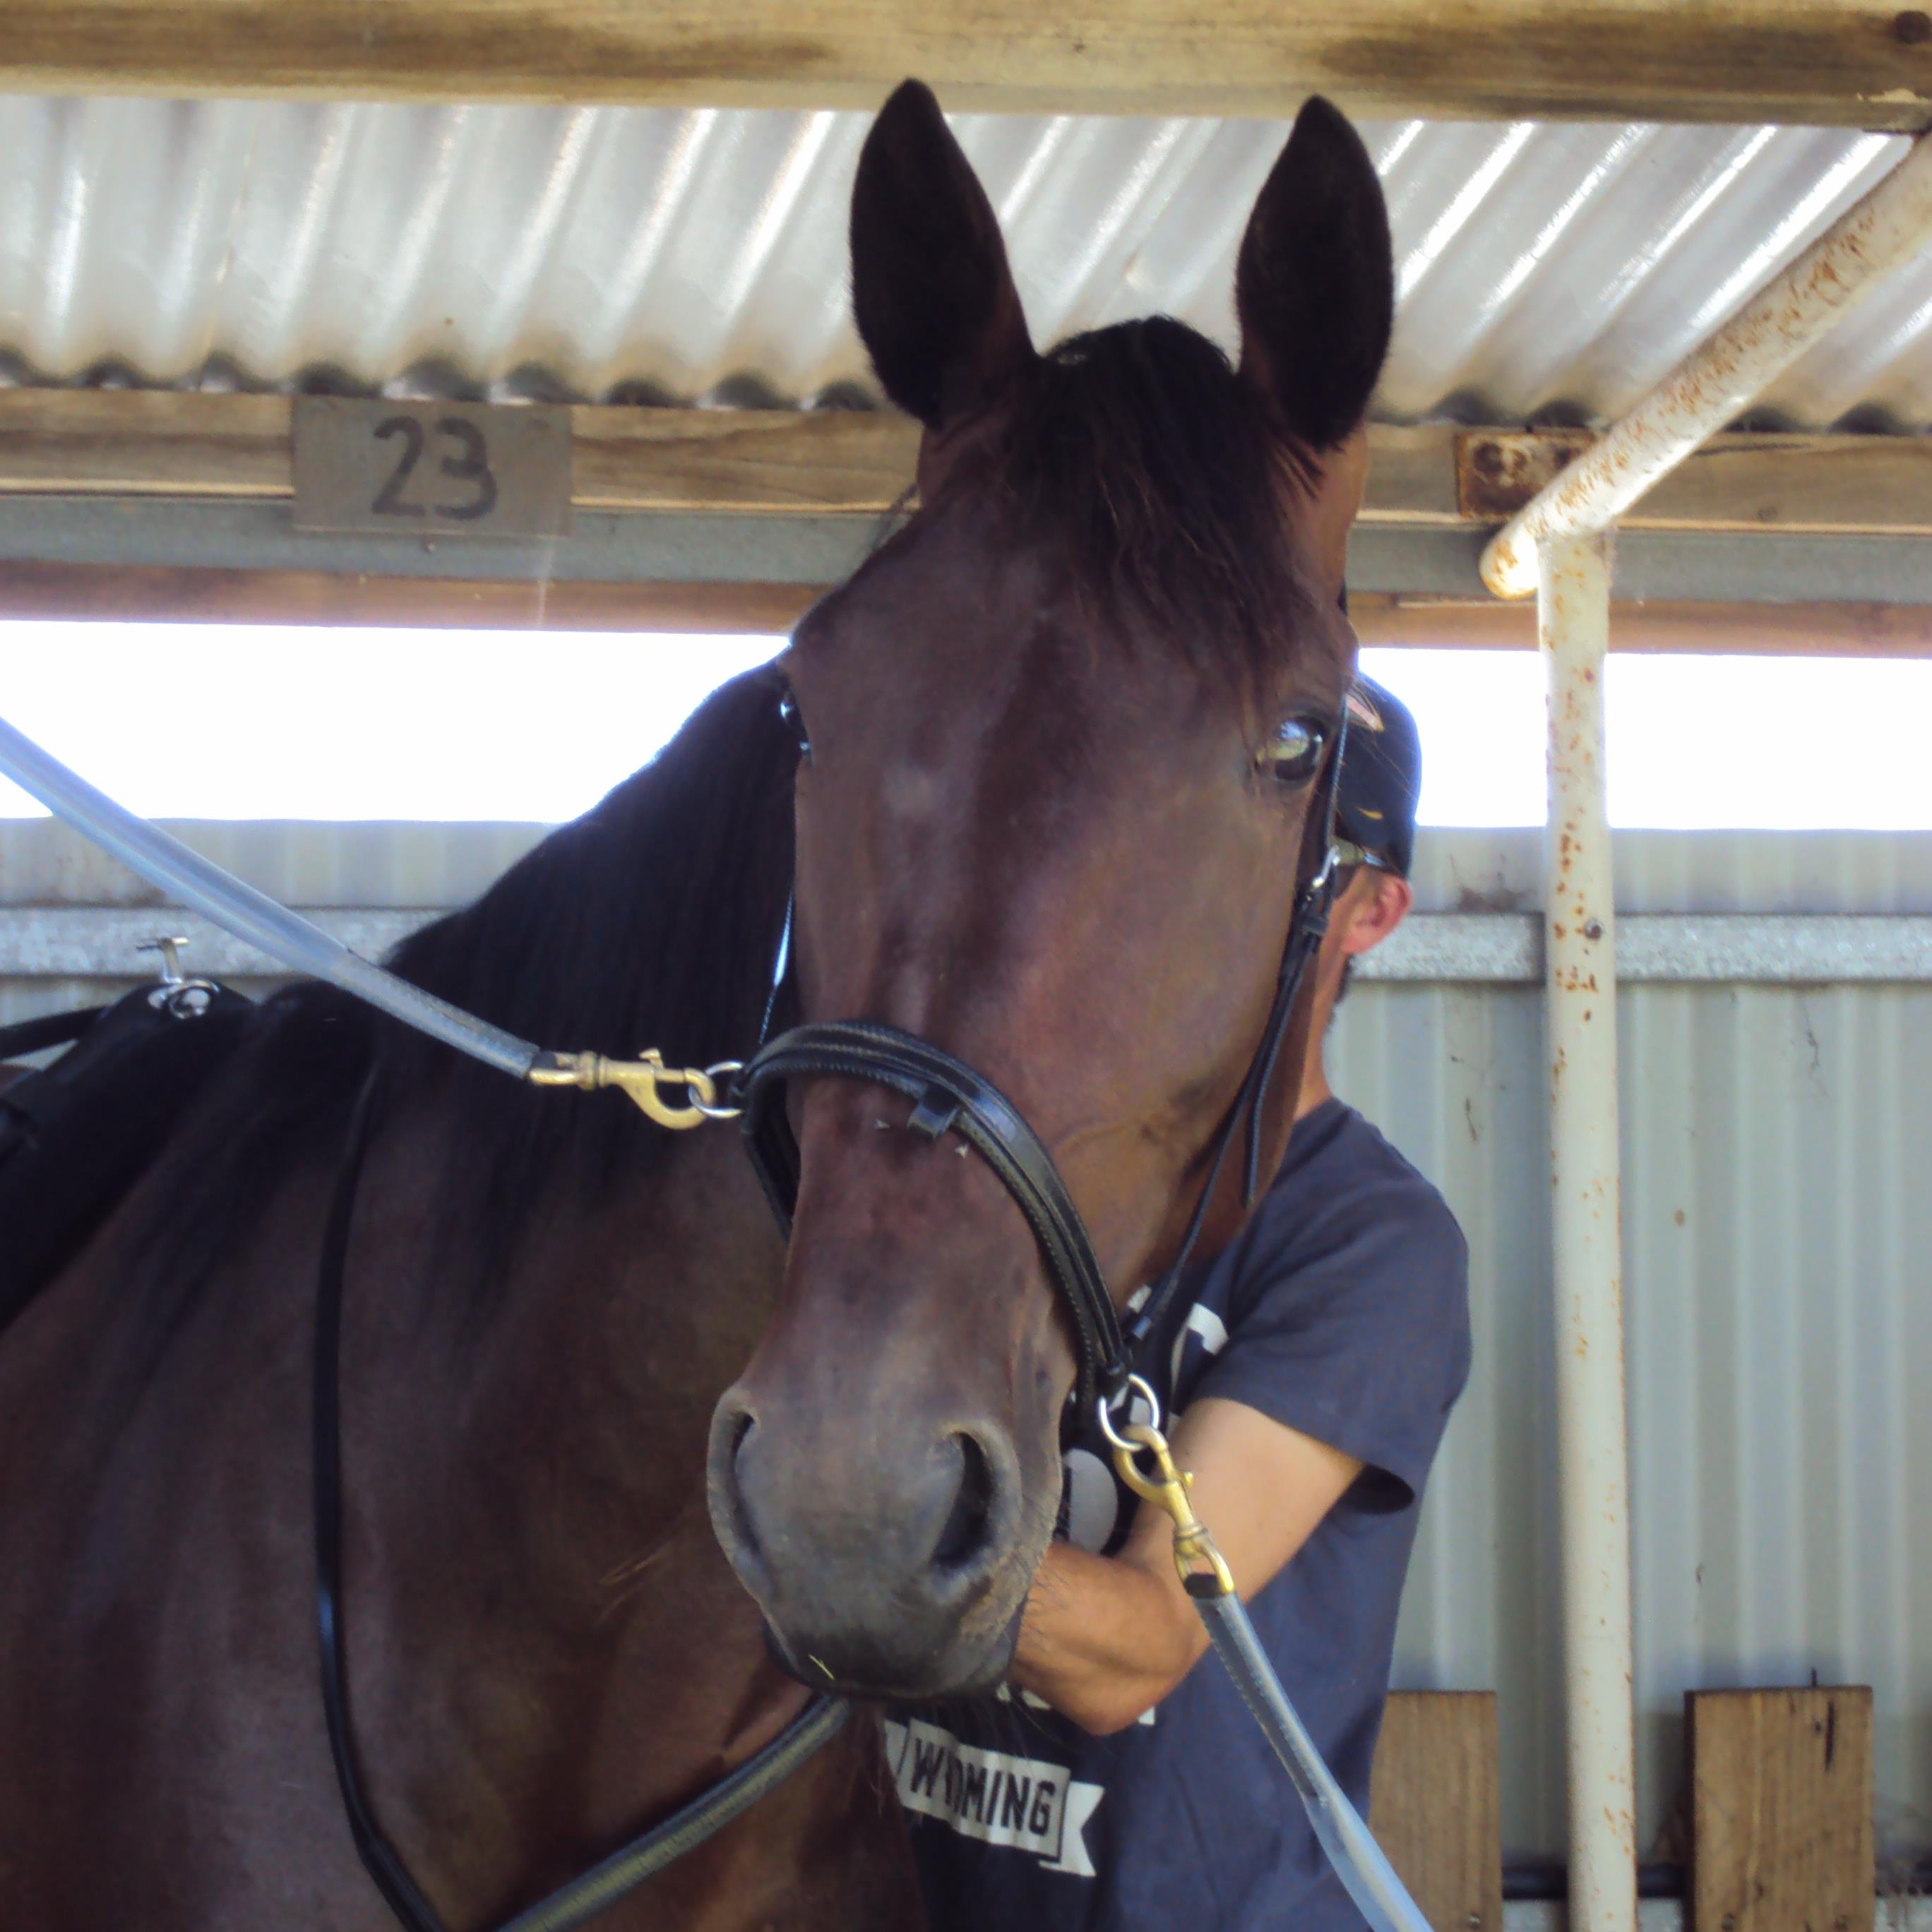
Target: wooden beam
pixel 136 594
pixel 1435 1806
pixel 162 443
pixel 137 444
pixel 1833 485
pixel 166 442
pixel 812 460
pixel 139 594
pixel 1753 630
pixel 143 442
pixel 1781 1810
pixel 1840 63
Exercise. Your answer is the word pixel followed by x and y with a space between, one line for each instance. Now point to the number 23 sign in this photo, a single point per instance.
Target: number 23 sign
pixel 431 470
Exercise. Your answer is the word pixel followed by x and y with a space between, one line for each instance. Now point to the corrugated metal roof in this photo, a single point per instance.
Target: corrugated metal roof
pixel 1776 1231
pixel 1546 272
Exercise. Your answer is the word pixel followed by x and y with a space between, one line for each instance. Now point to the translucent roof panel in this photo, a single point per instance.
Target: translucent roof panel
pixel 1547 272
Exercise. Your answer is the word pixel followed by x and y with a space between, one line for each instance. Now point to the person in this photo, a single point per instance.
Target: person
pixel 1308 1370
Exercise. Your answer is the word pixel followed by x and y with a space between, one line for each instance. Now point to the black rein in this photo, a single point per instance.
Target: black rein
pixel 608 1880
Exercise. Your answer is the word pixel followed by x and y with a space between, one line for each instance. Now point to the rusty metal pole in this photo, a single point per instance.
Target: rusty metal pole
pixel 1579 924
pixel 1555 547
pixel 1706 390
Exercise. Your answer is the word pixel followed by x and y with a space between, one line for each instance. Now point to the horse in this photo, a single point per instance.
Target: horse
pixel 621 1463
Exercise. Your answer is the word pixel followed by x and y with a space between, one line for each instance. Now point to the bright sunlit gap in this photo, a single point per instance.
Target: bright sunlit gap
pixel 1695 742
pixel 250 722
pixel 205 721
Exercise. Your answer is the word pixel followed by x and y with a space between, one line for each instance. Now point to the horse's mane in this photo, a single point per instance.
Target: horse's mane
pixel 651 921
pixel 1138 449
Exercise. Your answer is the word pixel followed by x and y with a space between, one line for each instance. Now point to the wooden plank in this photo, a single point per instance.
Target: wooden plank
pixel 146 443
pixel 1841 63
pixel 1781 1810
pixel 1436 1807
pixel 862 461
pixel 162 443
pixel 811 460
pixel 1411 475
pixel 1755 630
pixel 1832 485
pixel 143 442
pixel 144 594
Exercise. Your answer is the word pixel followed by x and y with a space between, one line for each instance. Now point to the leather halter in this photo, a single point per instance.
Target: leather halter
pixel 950 1096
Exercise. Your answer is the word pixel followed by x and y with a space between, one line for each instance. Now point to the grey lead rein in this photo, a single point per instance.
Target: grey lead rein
pixel 1360 1863
pixel 203 886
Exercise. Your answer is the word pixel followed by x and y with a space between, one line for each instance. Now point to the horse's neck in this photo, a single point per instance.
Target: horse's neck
pixel 535 1516
pixel 581 1383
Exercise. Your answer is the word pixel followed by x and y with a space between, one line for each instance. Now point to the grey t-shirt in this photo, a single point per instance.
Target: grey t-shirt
pixel 1342 1310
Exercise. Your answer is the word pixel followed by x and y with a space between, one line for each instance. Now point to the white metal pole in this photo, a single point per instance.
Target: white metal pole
pixel 1580 918
pixel 1708 388
pixel 1554 547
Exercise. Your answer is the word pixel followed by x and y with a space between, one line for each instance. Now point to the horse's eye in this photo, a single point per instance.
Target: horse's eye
pixel 1293 753
pixel 794 720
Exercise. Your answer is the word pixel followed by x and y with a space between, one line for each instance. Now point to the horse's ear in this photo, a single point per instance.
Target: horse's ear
pixel 933 298
pixel 1315 283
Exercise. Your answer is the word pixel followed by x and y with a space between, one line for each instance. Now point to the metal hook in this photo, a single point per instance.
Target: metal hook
pixel 169 948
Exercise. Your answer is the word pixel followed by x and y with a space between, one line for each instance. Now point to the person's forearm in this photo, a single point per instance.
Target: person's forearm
pixel 1103 1639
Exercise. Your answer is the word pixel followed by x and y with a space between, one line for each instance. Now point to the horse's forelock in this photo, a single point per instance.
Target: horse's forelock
pixel 1138 449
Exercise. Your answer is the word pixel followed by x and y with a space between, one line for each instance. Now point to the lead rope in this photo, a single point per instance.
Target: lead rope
pixel 199 882
pixel 608 1880
pixel 1359 1862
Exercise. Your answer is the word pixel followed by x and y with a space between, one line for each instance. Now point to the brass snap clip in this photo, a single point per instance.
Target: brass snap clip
pixel 641 1080
pixel 1167 1488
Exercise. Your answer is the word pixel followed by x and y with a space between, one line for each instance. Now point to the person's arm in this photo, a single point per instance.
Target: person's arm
pixel 1104 1638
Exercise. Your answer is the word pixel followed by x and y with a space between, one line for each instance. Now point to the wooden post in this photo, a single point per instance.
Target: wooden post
pixel 1781 1810
pixel 1435 1806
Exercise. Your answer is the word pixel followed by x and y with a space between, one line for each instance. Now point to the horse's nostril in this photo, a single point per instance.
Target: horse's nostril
pixel 740 1431
pixel 969 1524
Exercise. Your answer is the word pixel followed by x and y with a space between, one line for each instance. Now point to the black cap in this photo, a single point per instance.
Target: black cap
pixel 1381 776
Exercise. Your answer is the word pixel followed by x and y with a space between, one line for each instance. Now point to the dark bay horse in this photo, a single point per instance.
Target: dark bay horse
pixel 1040 773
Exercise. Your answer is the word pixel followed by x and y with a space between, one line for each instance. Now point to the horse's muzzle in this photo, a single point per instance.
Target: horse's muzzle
pixel 885 1554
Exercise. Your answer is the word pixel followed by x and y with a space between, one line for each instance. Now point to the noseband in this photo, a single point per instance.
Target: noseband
pixel 950 1096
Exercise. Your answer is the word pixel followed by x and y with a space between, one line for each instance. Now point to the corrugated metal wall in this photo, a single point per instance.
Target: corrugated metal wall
pixel 1778 1229
pixel 1778 1261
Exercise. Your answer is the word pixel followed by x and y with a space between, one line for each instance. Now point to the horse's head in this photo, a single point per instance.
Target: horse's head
pixel 1061 736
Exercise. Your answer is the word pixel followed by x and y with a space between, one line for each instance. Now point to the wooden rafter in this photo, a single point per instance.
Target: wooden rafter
pixel 1829 62
pixel 107 442
pixel 158 594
